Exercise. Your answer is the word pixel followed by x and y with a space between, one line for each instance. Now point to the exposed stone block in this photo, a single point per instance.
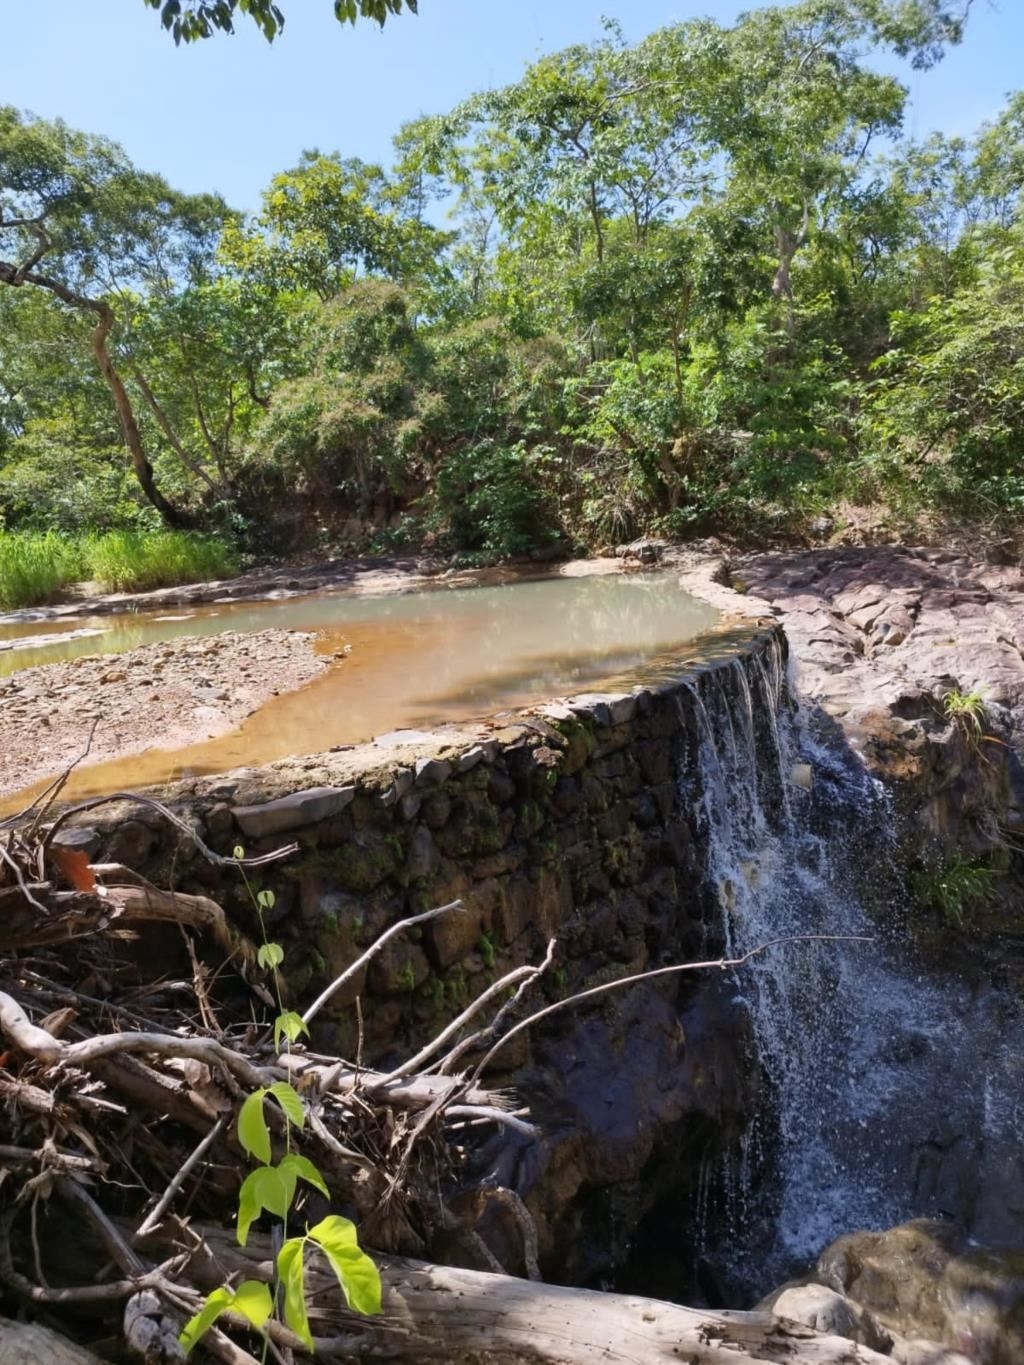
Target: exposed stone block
pixel 432 771
pixel 292 812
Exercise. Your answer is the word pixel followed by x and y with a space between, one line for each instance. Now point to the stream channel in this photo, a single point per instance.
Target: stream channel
pixel 887 1091
pixel 397 660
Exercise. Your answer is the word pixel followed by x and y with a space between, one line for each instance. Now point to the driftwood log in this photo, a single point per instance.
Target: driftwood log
pixel 120 1163
pixel 26 1343
pixel 443 1313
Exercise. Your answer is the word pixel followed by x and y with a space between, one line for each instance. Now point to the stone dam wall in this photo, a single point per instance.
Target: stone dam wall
pixel 575 821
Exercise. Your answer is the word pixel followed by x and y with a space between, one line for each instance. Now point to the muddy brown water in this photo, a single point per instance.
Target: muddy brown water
pixel 402 660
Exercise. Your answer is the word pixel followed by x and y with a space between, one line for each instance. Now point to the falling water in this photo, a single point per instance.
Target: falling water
pixel 878 1075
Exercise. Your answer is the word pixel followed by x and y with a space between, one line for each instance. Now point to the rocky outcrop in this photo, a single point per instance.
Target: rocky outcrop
pixel 887 642
pixel 926 1279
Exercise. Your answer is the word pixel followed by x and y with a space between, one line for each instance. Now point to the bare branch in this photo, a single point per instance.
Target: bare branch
pixel 455 907
pixel 721 963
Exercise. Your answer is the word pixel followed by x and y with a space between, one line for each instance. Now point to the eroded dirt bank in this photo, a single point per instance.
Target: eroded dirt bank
pixel 168 694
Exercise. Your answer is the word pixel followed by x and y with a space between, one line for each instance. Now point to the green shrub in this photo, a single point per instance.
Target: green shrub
pixel 136 561
pixel 954 888
pixel 488 502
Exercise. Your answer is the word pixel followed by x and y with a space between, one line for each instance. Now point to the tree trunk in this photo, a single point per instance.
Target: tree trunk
pixel 439 1313
pixel 164 423
pixel 787 244
pixel 470 1316
pixel 104 314
pixel 129 426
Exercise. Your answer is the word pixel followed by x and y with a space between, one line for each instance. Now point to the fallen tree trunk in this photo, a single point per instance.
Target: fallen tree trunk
pixel 445 1314
pixel 470 1316
pixel 26 1343
pixel 440 1313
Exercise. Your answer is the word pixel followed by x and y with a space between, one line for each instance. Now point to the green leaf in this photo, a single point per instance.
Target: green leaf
pixel 289 1272
pixel 266 900
pixel 264 1188
pixel 358 1276
pixel 238 852
pixel 288 1098
pixel 291 1025
pixel 270 955
pixel 303 1169
pixel 218 1302
pixel 253 1133
pixel 254 1301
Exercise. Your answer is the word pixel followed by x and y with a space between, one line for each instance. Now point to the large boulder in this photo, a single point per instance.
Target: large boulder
pixel 927 1279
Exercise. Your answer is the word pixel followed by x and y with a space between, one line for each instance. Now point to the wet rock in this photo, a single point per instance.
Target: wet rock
pixel 432 771
pixel 928 1279
pixel 398 968
pixel 644 551
pixel 130 843
pixel 469 759
pixel 423 857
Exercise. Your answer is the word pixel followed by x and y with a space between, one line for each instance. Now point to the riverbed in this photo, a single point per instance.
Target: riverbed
pixel 167 694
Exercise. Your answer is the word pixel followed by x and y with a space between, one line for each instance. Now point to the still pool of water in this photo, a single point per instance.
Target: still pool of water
pixel 412 660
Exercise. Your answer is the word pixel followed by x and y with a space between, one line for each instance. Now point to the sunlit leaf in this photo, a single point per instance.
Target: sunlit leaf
pixel 290 1273
pixel 254 1301
pixel 303 1169
pixel 288 1098
pixel 290 1025
pixel 253 1133
pixel 358 1276
pixel 264 1188
pixel 216 1303
pixel 270 955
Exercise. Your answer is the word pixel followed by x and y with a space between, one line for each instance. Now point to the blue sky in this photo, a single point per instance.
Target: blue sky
pixel 230 113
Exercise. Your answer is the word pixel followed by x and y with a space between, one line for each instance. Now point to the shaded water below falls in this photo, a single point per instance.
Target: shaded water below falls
pixel 892 1092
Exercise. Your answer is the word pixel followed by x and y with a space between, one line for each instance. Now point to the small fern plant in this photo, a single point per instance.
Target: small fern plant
pixel 272 1187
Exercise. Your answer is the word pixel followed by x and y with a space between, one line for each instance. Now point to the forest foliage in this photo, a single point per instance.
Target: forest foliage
pixel 700 282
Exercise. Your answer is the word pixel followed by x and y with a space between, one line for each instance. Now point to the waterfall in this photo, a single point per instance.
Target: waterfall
pixel 890 1090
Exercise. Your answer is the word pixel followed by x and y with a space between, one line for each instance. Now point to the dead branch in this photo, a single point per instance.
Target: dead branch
pixel 720 964
pixel 393 1146
pixel 151 802
pixel 166 1199
pixel 350 973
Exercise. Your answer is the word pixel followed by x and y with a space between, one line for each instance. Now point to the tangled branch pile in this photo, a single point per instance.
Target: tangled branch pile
pixel 136 1022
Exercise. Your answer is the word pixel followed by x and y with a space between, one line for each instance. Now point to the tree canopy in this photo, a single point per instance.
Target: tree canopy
pixel 700 281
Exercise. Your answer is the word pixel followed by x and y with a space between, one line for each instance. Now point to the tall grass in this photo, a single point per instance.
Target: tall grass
pixel 36 567
pixel 135 561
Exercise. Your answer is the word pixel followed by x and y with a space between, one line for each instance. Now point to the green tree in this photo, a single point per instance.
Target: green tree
pixel 327 222
pixel 80 223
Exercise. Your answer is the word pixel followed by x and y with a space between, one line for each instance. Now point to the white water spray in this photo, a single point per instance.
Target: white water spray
pixel 878 1076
